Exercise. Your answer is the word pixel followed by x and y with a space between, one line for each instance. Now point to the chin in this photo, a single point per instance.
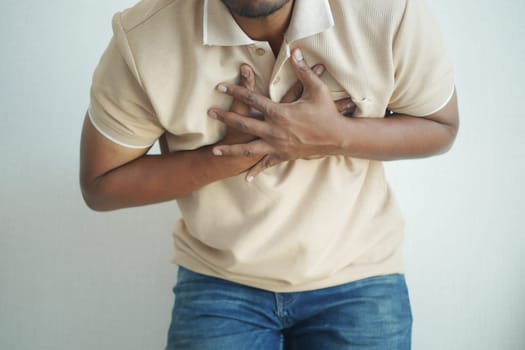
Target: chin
pixel 254 8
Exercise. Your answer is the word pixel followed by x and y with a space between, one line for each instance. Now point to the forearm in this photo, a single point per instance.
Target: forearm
pixel 394 137
pixel 158 178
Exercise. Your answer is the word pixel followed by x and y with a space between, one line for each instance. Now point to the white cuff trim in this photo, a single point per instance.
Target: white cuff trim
pixel 444 104
pixel 106 135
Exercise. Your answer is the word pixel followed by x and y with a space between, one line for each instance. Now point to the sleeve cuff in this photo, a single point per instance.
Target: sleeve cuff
pixel 443 104
pixel 110 137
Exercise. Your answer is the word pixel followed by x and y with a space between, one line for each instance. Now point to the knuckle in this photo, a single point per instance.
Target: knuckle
pixel 249 97
pixel 279 114
pixel 251 82
pixel 247 83
pixel 247 153
pixel 280 136
pixel 322 88
pixel 267 162
pixel 304 67
pixel 241 125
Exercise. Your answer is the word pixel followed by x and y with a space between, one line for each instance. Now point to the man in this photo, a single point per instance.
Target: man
pixel 290 236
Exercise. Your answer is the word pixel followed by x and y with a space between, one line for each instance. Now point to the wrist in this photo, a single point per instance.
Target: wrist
pixel 341 135
pixel 221 167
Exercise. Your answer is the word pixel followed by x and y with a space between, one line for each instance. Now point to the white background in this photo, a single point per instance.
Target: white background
pixel 74 279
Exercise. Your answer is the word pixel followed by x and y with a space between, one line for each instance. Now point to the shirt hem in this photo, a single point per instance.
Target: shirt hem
pixel 346 275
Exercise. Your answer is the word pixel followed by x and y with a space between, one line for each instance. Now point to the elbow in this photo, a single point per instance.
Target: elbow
pixel 92 203
pixel 451 132
pixel 94 197
pixel 444 143
pixel 448 119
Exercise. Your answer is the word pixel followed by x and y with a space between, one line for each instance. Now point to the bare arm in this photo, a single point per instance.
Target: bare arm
pixel 113 177
pixel 400 136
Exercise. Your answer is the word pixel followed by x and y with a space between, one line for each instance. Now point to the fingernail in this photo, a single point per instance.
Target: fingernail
pixel 212 114
pixel 217 152
pixel 249 178
pixel 319 69
pixel 298 56
pixel 245 73
pixel 222 88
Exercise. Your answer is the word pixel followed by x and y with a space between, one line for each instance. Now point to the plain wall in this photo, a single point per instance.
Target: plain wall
pixel 74 279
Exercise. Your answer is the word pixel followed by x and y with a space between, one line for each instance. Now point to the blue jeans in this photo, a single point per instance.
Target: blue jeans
pixel 214 314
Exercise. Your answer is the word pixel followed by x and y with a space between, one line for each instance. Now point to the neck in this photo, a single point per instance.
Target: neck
pixel 270 28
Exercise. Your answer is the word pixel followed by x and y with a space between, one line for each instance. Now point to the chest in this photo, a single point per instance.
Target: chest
pixel 184 89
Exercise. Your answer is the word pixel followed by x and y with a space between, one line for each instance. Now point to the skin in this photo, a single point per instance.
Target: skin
pixel 114 177
pixel 254 9
pixel 306 124
pixel 312 127
pixel 270 28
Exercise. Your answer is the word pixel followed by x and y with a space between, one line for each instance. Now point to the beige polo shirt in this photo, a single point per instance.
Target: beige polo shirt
pixel 303 224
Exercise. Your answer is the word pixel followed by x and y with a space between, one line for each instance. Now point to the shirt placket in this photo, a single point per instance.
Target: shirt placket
pixel 281 77
pixel 262 60
pixel 274 71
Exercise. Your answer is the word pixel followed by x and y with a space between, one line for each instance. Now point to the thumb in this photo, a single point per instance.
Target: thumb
pixel 307 76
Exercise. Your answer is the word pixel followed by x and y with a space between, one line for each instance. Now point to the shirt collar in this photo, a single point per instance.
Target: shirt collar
pixel 309 17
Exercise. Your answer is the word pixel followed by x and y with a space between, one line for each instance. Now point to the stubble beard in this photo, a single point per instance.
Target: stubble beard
pixel 254 9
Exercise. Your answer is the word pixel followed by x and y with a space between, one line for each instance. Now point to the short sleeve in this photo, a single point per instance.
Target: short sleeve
pixel 424 76
pixel 119 108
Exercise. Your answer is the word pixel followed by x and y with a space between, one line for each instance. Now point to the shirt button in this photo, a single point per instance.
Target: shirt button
pixel 276 81
pixel 260 51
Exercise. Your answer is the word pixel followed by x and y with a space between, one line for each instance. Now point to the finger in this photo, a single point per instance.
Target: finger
pixel 308 77
pixel 248 97
pixel 247 76
pixel 296 91
pixel 251 149
pixel 241 123
pixel 265 163
pixel 247 80
pixel 345 106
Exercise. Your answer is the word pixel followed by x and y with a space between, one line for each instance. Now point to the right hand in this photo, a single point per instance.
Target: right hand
pixel 247 80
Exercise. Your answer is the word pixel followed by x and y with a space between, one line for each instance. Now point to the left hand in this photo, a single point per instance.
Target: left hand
pixel 305 128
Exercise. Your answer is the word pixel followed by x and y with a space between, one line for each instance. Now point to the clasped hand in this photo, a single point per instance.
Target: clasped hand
pixel 304 125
